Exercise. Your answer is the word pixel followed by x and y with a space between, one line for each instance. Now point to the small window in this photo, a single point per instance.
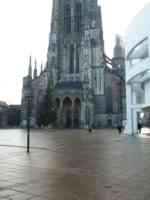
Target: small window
pixel 93 43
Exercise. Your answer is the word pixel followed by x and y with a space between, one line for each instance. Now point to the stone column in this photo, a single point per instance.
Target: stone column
pixel 83 114
pixel 130 130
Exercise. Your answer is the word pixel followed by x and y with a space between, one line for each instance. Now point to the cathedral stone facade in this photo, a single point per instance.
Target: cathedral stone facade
pixel 76 68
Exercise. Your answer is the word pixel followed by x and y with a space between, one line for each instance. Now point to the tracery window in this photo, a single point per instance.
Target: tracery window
pixel 93 43
pixel 67 19
pixel 100 84
pixel 78 17
pixel 71 69
pixel 93 52
pixel 77 60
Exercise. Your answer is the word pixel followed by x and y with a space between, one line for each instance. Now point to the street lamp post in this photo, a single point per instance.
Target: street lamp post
pixel 29 98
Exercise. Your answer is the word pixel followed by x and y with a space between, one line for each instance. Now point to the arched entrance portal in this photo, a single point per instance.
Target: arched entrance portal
pixel 57 103
pixel 76 113
pixel 67 112
pixel 71 113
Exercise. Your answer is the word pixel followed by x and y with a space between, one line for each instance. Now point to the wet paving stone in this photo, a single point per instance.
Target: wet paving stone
pixel 74 165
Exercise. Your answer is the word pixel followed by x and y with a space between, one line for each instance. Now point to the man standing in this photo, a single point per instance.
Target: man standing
pixel 139 127
pixel 119 129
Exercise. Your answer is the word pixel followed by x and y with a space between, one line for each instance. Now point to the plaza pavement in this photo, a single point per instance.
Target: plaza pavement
pixel 74 165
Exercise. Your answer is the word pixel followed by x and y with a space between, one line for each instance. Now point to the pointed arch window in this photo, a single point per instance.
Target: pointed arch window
pixel 78 17
pixel 67 19
pixel 93 51
pixel 71 69
pixel 77 60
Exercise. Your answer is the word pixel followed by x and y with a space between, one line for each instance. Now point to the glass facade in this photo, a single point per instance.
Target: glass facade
pixel 139 52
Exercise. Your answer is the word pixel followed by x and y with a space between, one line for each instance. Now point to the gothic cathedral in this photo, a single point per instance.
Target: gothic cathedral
pixel 75 67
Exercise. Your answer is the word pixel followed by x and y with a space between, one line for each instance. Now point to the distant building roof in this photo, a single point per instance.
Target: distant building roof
pixel 2 103
pixel 15 106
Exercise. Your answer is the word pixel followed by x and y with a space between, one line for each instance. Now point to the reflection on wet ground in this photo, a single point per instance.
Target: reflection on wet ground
pixel 74 165
pixel 145 132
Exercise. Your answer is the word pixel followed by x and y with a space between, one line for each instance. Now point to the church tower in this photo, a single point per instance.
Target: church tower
pixel 118 64
pixel 75 62
pixel 119 56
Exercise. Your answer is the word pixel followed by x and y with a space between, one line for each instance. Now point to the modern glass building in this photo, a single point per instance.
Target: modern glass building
pixel 137 40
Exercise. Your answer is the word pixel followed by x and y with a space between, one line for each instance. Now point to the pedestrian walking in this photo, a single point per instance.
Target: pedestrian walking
pixel 139 127
pixel 90 129
pixel 119 129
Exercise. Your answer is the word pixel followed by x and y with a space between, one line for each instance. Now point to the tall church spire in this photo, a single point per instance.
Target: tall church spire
pixel 30 68
pixel 119 51
pixel 54 14
pixel 41 67
pixel 35 69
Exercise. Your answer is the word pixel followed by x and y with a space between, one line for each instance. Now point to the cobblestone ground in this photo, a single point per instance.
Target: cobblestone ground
pixel 74 165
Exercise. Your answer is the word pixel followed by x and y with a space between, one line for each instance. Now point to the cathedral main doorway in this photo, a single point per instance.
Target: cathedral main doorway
pixel 67 113
pixel 76 113
pixel 71 113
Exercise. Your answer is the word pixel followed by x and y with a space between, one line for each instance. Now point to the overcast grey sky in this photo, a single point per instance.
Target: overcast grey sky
pixel 25 26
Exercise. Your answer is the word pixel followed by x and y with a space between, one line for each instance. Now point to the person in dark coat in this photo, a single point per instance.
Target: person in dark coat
pixel 90 129
pixel 119 129
pixel 139 127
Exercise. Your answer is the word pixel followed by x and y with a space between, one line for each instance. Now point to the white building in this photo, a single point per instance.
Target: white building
pixel 137 41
